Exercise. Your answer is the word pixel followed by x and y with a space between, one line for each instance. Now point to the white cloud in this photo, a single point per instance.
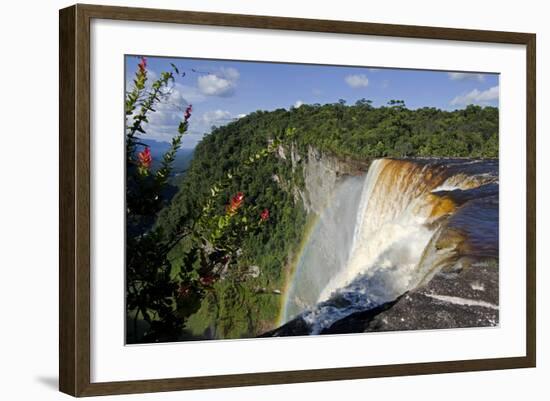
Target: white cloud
pixel 163 123
pixel 357 81
pixel 152 76
pixel 477 97
pixel 230 73
pixel 212 85
pixel 164 120
pixel 215 117
pixel 222 83
pixel 203 124
pixel 169 112
pixel 190 140
pixel 466 76
pixel 190 94
pixel 298 103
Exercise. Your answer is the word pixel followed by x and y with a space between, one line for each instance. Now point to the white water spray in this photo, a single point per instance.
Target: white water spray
pixel 396 225
pixel 392 228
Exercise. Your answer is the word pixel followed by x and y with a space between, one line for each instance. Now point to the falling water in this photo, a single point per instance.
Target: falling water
pixel 328 248
pixel 361 256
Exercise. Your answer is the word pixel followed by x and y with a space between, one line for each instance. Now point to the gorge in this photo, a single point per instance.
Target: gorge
pixel 392 231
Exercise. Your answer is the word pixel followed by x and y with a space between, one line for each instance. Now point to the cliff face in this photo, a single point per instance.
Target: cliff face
pixel 321 173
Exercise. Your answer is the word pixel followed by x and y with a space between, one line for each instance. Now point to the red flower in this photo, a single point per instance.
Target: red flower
pixel 235 204
pixel 145 158
pixel 142 65
pixel 188 111
pixel 184 291
pixel 207 280
pixel 264 215
pixel 238 198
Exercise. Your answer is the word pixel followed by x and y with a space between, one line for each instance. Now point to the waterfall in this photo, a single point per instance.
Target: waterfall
pixel 392 227
pixel 327 248
pixel 377 239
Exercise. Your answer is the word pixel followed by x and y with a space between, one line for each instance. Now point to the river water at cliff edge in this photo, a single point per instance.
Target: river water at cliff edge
pixel 391 231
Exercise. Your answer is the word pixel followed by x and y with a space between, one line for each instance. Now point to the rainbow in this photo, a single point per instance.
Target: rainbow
pixel 341 202
pixel 311 224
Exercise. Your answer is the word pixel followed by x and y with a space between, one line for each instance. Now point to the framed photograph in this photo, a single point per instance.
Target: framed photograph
pixel 250 200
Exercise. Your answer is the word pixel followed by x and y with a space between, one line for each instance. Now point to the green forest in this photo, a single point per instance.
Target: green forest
pixel 363 131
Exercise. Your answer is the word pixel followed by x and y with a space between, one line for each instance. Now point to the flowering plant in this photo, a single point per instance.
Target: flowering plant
pixel 159 299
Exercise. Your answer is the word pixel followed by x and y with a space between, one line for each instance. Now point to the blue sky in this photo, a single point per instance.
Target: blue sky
pixel 222 90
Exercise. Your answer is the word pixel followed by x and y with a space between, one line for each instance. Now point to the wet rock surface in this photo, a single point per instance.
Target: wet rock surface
pixel 296 327
pixel 466 297
pixel 354 323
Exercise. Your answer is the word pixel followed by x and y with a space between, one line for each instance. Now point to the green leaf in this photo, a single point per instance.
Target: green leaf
pixel 175 68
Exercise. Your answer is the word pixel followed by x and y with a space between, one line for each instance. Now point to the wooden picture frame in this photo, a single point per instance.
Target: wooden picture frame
pixel 74 199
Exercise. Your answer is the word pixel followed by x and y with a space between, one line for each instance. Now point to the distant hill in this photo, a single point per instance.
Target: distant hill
pixel 183 157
